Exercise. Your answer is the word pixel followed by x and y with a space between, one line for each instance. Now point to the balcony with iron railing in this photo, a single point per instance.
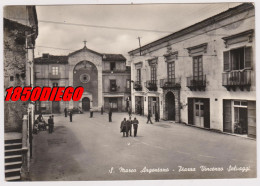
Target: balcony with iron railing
pixel 116 71
pixel 237 79
pixel 170 83
pixel 151 85
pixel 137 85
pixel 54 76
pixel 196 82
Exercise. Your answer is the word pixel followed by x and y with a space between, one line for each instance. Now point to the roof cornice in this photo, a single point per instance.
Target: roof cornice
pixel 209 21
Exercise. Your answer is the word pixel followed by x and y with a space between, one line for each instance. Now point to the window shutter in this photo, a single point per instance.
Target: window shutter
pixel 251 110
pixel 248 57
pixel 227 116
pixel 190 111
pixel 206 113
pixel 227 66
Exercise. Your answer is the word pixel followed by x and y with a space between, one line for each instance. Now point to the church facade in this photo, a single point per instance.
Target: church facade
pixel 104 77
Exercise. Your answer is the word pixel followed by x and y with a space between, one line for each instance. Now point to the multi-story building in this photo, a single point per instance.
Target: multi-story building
pixel 20 32
pixel 104 77
pixel 202 75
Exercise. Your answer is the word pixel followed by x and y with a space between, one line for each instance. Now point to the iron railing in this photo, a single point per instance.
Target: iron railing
pixel 151 85
pixel 196 82
pixel 236 78
pixel 170 83
pixel 137 86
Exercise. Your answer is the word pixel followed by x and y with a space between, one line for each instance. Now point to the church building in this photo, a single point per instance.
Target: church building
pixel 104 77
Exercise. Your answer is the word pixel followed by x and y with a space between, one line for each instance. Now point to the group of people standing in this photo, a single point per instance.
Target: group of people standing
pixel 126 127
pixel 40 124
pixel 66 112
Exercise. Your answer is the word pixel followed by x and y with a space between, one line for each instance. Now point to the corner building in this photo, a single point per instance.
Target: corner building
pixel 202 75
pixel 104 78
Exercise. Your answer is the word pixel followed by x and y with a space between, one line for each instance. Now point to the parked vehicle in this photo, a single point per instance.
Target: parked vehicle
pixel 76 110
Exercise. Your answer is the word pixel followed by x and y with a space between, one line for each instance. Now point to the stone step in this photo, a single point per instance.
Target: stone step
pixel 13 178
pixel 12 165
pixel 13 141
pixel 10 152
pixel 13 172
pixel 13 146
pixel 13 158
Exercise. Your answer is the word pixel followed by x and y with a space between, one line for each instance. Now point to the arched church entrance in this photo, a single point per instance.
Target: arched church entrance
pixel 85 74
pixel 85 104
pixel 170 105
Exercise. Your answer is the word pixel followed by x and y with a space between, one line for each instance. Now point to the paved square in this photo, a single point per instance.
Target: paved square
pixel 94 149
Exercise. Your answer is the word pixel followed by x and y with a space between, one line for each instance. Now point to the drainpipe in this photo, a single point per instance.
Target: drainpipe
pixel 25 162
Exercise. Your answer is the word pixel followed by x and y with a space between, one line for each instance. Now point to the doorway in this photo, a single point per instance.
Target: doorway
pixel 153 105
pixel 56 107
pixel 170 105
pixel 240 117
pixel 86 104
pixel 199 113
pixel 113 104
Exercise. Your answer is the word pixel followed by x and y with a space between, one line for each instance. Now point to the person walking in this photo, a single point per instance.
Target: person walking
pixel 129 127
pixel 123 127
pixel 129 111
pixel 102 110
pixel 50 124
pixel 149 116
pixel 156 117
pixel 135 124
pixel 70 116
pixel 65 112
pixel 110 115
pixel 91 113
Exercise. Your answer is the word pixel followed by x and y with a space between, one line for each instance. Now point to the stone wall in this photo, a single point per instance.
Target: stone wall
pixel 14 72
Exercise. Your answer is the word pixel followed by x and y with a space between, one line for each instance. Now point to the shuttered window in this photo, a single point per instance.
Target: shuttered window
pixel 138 75
pixel 237 59
pixel 226 61
pixel 227 117
pixel 153 74
pixel 251 119
pixel 190 111
pixel 248 57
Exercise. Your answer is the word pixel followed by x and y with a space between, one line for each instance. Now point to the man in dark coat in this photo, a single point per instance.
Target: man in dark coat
pixel 135 124
pixel 110 115
pixel 129 127
pixel 65 112
pixel 156 117
pixel 50 124
pixel 123 127
pixel 70 116
pixel 91 113
pixel 130 112
pixel 102 110
pixel 149 117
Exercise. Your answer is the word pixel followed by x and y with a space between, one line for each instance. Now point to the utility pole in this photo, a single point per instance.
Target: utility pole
pixel 139 39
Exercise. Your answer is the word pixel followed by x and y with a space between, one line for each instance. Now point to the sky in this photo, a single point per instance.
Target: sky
pixel 57 36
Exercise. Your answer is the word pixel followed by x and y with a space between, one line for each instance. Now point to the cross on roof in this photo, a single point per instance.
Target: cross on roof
pixel 84 43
